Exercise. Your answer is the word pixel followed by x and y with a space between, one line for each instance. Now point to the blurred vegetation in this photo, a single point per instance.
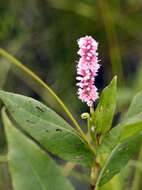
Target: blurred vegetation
pixel 42 34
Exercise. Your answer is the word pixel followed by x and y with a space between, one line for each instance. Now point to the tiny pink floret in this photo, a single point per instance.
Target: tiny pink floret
pixel 87 69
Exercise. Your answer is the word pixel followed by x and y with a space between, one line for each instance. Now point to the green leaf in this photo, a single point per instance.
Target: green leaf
pixel 30 167
pixel 131 127
pixel 105 110
pixel 48 128
pixel 110 140
pixel 121 142
pixel 122 131
pixel 136 106
pixel 132 122
pixel 118 158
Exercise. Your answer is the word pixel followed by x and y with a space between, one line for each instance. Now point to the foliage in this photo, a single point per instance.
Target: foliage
pixel 43 34
pixel 40 124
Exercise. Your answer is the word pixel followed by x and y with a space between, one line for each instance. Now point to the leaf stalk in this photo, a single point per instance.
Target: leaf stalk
pixel 32 74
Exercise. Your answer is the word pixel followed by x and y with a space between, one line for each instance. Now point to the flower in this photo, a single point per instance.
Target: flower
pixel 87 69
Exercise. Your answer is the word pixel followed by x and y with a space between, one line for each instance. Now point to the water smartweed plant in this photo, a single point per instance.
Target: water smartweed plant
pixel 29 123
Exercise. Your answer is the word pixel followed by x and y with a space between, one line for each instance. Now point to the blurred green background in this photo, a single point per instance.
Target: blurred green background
pixel 42 34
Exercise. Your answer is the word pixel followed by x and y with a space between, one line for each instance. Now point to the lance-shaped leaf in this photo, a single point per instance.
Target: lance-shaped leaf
pixel 122 141
pixel 122 131
pixel 134 114
pixel 118 158
pixel 105 110
pixel 110 140
pixel 136 106
pixel 131 124
pixel 30 167
pixel 131 127
pixel 48 128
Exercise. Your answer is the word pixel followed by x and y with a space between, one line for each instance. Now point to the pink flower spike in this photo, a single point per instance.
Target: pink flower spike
pixel 87 69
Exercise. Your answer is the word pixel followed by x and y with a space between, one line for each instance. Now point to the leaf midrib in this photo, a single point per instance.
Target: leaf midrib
pixel 34 172
pixel 68 130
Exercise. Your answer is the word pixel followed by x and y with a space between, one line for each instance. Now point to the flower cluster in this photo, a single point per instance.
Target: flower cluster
pixel 87 69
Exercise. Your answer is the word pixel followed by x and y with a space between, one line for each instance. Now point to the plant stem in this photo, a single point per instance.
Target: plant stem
pixel 92 112
pixel 137 177
pixel 93 133
pixel 89 125
pixel 94 175
pixel 95 168
pixel 20 65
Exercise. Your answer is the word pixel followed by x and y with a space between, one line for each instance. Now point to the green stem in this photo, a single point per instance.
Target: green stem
pixel 89 125
pixel 137 177
pixel 20 65
pixel 94 175
pixel 93 134
pixel 92 112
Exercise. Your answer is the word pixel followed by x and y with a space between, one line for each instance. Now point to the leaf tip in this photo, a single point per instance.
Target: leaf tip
pixel 114 80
